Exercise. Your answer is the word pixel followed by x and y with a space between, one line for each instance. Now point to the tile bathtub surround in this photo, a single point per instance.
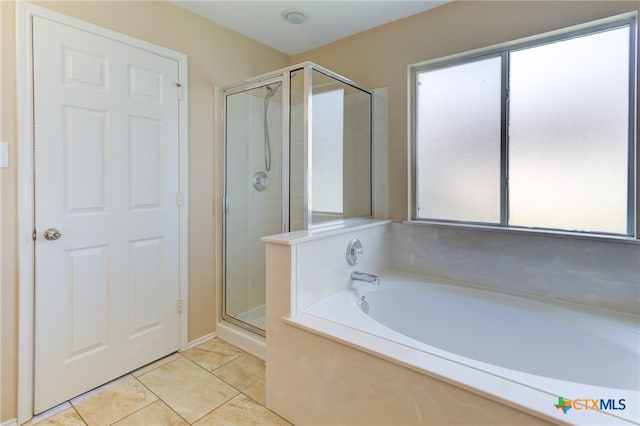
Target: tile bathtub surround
pixel 211 384
pixel 321 279
pixel 605 274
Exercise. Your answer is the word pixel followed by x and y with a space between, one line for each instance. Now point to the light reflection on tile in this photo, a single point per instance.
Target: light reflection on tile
pixel 187 388
pixel 113 401
pixel 241 411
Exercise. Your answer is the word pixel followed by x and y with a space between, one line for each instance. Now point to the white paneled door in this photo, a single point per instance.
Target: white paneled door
pixel 106 213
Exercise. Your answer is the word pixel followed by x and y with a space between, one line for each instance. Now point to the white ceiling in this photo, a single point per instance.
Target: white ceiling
pixel 328 20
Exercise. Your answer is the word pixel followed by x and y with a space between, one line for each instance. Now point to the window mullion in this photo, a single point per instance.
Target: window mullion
pixel 633 174
pixel 504 142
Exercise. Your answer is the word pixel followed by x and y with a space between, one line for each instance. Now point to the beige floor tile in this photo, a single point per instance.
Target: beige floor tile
pixel 159 363
pixel 66 417
pixel 213 354
pixel 113 401
pixel 216 344
pixel 241 411
pixel 246 373
pixel 157 413
pixel 188 389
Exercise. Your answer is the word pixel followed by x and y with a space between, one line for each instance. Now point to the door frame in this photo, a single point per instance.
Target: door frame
pixel 26 190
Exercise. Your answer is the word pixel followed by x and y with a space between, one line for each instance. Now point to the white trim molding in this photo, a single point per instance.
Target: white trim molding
pixel 199 341
pixel 24 17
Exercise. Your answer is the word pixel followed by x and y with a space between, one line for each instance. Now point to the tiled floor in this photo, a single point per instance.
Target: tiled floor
pixel 211 384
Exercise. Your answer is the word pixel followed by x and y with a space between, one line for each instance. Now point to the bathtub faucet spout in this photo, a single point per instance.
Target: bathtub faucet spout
pixel 366 277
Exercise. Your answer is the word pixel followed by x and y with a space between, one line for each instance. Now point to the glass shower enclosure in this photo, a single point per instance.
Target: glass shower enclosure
pixel 297 155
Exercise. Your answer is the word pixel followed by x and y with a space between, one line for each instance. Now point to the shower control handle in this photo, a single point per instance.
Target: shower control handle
pixel 354 251
pixel 260 181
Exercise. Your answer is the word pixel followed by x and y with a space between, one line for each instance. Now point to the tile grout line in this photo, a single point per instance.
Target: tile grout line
pixel 240 392
pixel 219 378
pixel 131 373
pixel 213 352
pixel 218 407
pixel 208 372
pixel 78 413
pixel 157 396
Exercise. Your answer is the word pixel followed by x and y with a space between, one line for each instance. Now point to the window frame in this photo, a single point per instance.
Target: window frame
pixel 503 51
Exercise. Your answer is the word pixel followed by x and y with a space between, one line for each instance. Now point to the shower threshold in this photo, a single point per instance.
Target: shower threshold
pixel 255 316
pixel 244 339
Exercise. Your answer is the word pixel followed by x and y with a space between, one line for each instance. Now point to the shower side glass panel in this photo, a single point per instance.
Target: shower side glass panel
pixel 297 177
pixel 253 163
pixel 330 150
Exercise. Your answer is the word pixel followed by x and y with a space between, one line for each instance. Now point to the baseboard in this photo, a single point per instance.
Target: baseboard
pixel 199 341
pixel 242 339
pixel 12 422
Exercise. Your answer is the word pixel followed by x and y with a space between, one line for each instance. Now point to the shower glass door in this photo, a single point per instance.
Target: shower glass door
pixel 253 198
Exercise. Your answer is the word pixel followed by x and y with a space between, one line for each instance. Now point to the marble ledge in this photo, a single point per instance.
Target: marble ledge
pixel 297 237
pixel 601 238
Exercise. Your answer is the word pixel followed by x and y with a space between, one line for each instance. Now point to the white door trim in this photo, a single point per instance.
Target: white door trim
pixel 24 13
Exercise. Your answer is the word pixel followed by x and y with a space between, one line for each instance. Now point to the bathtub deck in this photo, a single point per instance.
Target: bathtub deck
pixel 337 319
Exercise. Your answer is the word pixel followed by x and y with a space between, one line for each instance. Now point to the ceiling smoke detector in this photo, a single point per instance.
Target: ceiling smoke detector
pixel 295 16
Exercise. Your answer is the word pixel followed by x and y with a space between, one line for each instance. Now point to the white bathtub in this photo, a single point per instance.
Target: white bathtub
pixel 524 352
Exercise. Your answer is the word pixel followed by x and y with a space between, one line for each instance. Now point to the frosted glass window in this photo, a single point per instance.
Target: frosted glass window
pixel 458 142
pixel 538 134
pixel 569 134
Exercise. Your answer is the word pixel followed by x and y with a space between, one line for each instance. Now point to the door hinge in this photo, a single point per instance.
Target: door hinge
pixel 179 306
pixel 179 199
pixel 179 91
pixel 33 235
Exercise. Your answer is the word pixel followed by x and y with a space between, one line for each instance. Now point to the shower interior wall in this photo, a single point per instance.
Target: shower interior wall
pixel 296 151
pixel 255 213
pixel 356 201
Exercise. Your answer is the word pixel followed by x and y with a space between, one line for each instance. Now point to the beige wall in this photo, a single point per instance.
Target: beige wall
pixel 379 57
pixel 216 56
pixel 375 58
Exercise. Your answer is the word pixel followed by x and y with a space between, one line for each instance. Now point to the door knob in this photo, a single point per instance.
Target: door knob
pixel 52 234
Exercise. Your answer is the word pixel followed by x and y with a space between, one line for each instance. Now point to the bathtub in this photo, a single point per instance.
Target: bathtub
pixel 526 353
